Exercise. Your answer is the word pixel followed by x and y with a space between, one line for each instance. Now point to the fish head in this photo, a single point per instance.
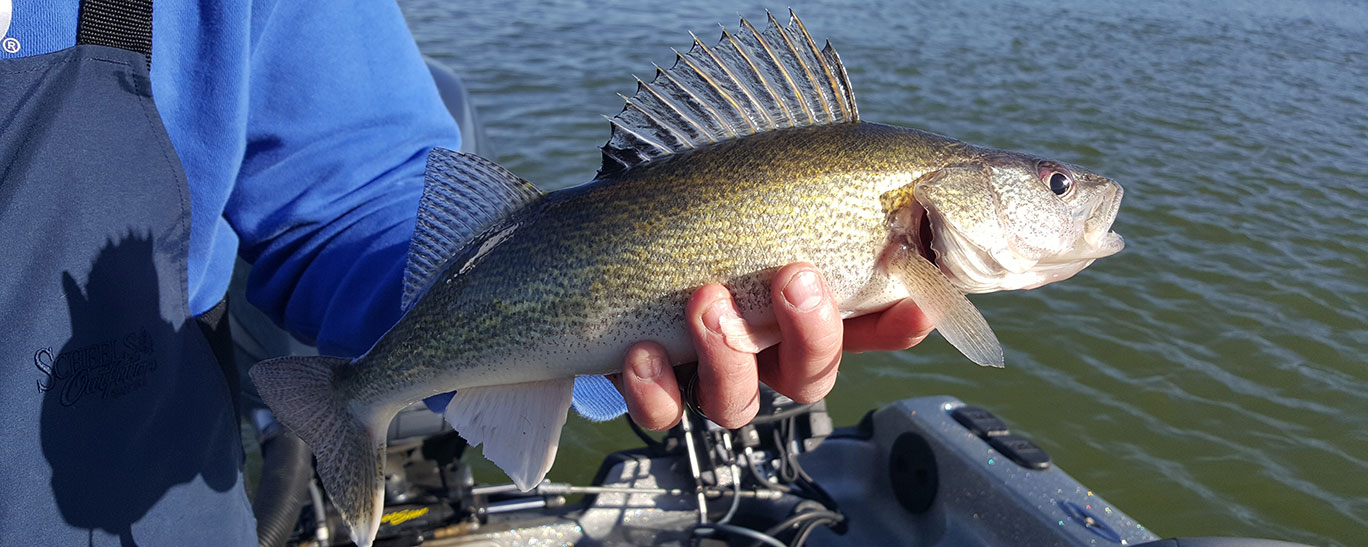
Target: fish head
pixel 1010 221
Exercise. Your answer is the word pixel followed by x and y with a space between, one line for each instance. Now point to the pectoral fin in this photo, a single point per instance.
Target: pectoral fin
pixel 947 308
pixel 519 425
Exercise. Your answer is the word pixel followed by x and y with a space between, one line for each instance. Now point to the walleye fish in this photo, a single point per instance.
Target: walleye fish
pixel 741 158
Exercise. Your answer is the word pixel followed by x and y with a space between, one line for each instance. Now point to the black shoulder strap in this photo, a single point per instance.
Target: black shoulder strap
pixel 124 24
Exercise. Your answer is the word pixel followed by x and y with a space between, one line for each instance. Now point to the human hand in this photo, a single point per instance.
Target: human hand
pixel 802 366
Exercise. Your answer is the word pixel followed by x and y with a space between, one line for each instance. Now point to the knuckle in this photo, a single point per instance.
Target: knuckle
pixel 728 371
pixel 660 420
pixel 737 412
pixel 821 343
pixel 814 391
pixel 810 383
pixel 907 340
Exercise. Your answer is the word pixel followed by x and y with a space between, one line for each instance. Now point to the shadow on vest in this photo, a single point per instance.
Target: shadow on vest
pixel 134 404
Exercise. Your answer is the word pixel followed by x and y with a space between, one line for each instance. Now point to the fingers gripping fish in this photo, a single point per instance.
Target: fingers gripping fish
pixel 743 157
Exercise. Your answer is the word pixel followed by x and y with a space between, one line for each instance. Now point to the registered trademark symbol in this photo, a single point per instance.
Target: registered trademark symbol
pixel 11 45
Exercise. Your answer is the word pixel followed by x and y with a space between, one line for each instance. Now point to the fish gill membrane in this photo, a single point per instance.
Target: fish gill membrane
pixel 743 157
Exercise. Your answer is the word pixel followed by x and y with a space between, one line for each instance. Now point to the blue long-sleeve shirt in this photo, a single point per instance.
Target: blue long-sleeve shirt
pixel 303 129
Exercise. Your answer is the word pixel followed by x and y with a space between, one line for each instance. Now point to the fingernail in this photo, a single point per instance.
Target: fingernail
pixel 646 366
pixel 723 320
pixel 719 314
pixel 804 291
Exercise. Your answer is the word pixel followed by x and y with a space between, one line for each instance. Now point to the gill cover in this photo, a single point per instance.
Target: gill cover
pixel 998 225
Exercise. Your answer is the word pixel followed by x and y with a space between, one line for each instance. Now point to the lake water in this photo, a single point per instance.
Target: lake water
pixel 1209 380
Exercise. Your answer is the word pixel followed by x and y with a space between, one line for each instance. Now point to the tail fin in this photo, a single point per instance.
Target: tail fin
pixel 350 448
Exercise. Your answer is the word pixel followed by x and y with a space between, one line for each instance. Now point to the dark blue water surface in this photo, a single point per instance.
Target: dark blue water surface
pixel 1211 379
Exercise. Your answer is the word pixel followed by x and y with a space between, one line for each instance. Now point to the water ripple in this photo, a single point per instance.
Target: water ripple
pixel 1209 380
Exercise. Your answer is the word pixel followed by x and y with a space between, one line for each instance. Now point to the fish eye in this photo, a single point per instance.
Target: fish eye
pixel 1056 178
pixel 1060 183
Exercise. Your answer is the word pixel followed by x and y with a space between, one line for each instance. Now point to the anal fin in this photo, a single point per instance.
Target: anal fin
pixel 519 424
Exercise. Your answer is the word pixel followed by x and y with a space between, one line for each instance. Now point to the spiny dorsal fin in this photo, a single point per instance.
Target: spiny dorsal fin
pixel 463 195
pixel 751 81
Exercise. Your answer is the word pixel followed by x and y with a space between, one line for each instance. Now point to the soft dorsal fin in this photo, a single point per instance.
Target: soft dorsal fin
pixel 463 195
pixel 751 81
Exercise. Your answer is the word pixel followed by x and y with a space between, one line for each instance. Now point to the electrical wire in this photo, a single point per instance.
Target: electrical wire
pixel 801 537
pixel 785 473
pixel 740 531
pixel 792 427
pixel 736 496
pixel 735 479
pixel 759 477
pixel 792 479
pixel 789 413
pixel 802 517
pixel 791 471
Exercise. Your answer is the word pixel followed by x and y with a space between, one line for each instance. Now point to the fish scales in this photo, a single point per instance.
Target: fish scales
pixel 599 267
pixel 694 189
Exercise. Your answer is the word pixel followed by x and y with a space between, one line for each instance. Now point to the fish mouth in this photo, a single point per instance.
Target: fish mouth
pixel 975 269
pixel 1090 247
pixel 1097 241
pixel 980 253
